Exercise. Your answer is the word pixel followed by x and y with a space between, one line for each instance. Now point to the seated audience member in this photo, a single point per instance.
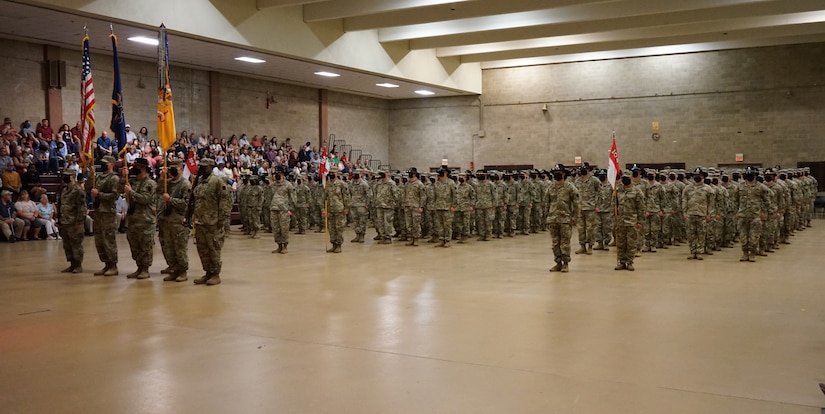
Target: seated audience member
pixel 121 208
pixel 31 178
pixel 45 215
pixel 11 179
pixel 132 155
pixel 10 225
pixel 42 158
pixel 27 211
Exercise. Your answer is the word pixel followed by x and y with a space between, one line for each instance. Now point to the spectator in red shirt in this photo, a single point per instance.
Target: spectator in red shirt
pixel 44 132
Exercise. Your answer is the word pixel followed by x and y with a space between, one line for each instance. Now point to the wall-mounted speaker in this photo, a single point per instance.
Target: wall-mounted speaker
pixel 57 73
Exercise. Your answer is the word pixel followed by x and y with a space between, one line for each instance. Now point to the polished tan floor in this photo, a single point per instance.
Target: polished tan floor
pixel 477 328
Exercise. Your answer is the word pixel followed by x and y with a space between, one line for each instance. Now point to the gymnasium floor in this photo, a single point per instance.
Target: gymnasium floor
pixel 477 328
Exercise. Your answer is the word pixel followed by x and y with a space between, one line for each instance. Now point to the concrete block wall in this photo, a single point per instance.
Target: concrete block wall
pixel 22 89
pixel 766 103
pixel 362 122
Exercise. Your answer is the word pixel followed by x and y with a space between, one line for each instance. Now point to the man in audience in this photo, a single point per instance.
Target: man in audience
pixel 10 224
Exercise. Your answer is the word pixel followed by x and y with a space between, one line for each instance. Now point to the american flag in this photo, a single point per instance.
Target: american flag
pixel 87 104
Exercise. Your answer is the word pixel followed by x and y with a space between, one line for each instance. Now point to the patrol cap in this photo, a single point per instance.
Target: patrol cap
pixel 206 162
pixel 69 172
pixel 142 162
pixel 174 163
pixel 108 159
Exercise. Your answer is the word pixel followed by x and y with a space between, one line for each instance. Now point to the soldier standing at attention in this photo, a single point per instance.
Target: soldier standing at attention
pixel 511 205
pixel 254 205
pixel 105 194
pixel 498 202
pixel 525 200
pixel 696 199
pixel 385 202
pixel 465 199
pixel 749 201
pixel 485 206
pixel 142 217
pixel 444 202
pixel 72 218
pixel 337 199
pixel 243 206
pixel 415 199
pixel 359 206
pixel 173 233
pixel 212 205
pixel 563 206
pixel 302 195
pixel 589 188
pixel 604 212
pixel 653 212
pixel 630 211
pixel 280 210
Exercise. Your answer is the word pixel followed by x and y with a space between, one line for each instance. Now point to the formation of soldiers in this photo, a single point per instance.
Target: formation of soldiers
pixel 648 210
pixel 169 206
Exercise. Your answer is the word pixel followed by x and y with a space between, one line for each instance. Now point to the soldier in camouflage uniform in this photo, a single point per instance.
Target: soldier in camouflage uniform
pixel 173 233
pixel 72 218
pixel 142 217
pixel 537 213
pixel 284 199
pixel 302 202
pixel 361 194
pixel 679 229
pixel 525 201
pixel 465 204
pixel 337 201
pixel 105 193
pixel 498 205
pixel 317 204
pixel 770 233
pixel 243 209
pixel 266 223
pixel 728 224
pixel 630 211
pixel 385 202
pixel 444 203
pixel 604 212
pixel 589 189
pixel 212 203
pixel 415 199
pixel 400 218
pixel 427 215
pixel 485 206
pixel 511 205
pixel 254 205
pixel 696 200
pixel 563 207
pixel 750 201
pixel 653 213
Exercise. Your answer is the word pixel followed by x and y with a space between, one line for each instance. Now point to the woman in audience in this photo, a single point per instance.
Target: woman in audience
pixel 27 211
pixel 45 216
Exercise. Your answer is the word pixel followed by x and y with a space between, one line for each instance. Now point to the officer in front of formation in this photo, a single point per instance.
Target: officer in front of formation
pixel 72 218
pixel 283 203
pixel 629 204
pixel 212 204
pixel 563 208
pixel 337 202
pixel 172 230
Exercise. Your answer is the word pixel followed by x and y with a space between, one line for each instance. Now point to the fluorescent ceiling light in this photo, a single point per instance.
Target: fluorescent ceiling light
pixel 386 85
pixel 327 74
pixel 425 92
pixel 249 59
pixel 145 40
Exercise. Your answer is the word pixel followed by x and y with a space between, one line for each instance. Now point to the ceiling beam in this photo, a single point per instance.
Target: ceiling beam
pixel 340 9
pixel 603 25
pixel 263 4
pixel 578 13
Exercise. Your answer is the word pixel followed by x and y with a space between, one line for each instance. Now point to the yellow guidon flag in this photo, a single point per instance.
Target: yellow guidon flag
pixel 166 115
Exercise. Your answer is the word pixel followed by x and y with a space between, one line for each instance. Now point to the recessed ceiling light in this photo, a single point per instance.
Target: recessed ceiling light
pixel 327 74
pixel 386 85
pixel 249 59
pixel 425 92
pixel 145 40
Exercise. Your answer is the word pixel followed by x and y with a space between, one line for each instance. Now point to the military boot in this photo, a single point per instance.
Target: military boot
pixel 386 241
pixel 621 266
pixel 279 249
pixel 564 268
pixel 167 271
pixel 331 249
pixel 336 248
pixel 283 249
pixel 77 268
pixel 202 280
pixel 630 267
pixel 699 257
pixel 556 268
pixel 378 237
pixel 589 248
pixel 356 239
pixel 751 257
pixel 143 273
pixel 181 277
pixel 69 269
pixel 760 253
pixel 411 243
pixel 102 271
pixel 254 235
pixel 134 274
pixel 599 246
pixel 581 250
pixel 112 270
pixel 361 238
pixel 214 280
pixel 440 243
pixel 171 275
pixel 446 243
pixel 744 257
pixel 433 239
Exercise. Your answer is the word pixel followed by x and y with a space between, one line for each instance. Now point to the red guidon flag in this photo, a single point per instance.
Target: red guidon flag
pixel 191 165
pixel 613 169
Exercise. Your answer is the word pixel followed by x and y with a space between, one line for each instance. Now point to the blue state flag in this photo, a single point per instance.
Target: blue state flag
pixel 118 125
